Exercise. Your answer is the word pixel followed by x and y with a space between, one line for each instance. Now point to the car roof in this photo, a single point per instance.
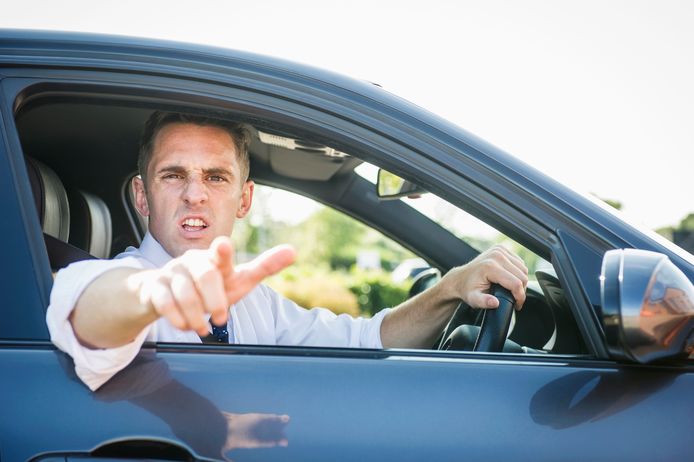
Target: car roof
pixel 66 49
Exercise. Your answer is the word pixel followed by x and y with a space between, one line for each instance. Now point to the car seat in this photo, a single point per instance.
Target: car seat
pixel 76 225
pixel 90 223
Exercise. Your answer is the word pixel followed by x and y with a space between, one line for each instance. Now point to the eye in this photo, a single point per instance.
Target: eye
pixel 216 179
pixel 172 176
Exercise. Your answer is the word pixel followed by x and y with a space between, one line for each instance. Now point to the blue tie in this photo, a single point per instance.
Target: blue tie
pixel 220 333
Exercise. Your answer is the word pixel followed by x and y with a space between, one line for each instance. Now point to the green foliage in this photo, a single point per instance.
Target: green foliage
pixel 353 292
pixel 312 289
pixel 614 203
pixel 687 223
pixel 326 237
pixel 329 236
pixel 376 290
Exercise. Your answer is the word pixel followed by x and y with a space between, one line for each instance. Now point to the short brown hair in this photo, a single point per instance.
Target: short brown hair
pixel 158 120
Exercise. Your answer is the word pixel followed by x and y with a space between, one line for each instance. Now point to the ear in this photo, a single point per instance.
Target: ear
pixel 246 199
pixel 140 196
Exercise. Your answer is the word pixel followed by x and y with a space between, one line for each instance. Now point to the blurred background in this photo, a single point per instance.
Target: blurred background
pixel 597 94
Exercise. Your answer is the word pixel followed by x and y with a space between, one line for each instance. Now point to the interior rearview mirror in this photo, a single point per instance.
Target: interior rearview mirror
pixel 391 186
pixel 648 306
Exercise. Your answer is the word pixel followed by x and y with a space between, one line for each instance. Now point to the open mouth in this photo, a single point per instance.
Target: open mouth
pixel 193 224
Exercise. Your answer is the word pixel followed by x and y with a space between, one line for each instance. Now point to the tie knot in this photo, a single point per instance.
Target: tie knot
pixel 220 333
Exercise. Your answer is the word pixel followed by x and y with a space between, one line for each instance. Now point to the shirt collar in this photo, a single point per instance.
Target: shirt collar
pixel 153 251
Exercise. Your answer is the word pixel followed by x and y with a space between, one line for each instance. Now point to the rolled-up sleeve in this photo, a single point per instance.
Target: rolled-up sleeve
pixel 93 366
pixel 295 325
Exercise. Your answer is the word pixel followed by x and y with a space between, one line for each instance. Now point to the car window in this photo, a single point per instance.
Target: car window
pixel 346 265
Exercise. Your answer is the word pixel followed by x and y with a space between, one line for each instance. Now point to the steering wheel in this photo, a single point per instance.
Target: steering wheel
pixel 492 333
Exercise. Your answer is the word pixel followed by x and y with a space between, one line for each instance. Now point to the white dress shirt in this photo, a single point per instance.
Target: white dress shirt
pixel 263 317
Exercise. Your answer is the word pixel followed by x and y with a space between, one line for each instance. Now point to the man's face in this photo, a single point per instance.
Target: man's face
pixel 194 189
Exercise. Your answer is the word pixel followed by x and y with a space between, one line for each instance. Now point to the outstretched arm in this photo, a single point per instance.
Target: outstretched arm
pixel 418 321
pixel 119 304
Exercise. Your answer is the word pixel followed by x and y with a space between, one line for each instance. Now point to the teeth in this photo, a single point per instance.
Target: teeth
pixel 194 222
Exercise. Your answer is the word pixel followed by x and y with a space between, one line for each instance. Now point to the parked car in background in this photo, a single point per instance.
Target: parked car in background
pixel 409 268
pixel 595 367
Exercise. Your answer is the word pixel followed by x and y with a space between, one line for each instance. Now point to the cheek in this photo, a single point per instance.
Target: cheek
pixel 161 197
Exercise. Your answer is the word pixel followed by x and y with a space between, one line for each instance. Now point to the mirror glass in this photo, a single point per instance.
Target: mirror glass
pixel 391 186
pixel 648 306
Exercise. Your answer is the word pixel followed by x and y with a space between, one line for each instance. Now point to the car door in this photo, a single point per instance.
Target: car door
pixel 248 402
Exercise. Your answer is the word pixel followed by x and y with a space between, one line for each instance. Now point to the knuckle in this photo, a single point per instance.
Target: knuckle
pixel 198 323
pixel 163 307
pixel 496 254
pixel 189 301
pixel 217 306
pixel 186 295
pixel 175 265
pixel 207 276
pixel 162 279
pixel 177 321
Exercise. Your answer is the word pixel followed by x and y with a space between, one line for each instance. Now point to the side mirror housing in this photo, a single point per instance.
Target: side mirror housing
pixel 648 306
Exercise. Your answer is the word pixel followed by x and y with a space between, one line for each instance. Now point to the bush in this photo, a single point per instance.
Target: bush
pixel 317 290
pixel 376 290
pixel 356 292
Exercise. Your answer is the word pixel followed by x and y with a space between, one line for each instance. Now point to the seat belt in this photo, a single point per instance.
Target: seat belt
pixel 61 254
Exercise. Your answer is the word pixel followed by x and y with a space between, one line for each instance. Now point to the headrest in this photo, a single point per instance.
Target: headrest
pixel 90 227
pixel 51 199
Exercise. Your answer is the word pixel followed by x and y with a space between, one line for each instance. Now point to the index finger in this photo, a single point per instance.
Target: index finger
pixel 223 255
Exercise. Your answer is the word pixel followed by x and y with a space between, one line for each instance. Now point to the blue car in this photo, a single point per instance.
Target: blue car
pixel 595 367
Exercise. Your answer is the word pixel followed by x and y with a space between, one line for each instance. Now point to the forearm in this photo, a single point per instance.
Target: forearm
pixel 110 312
pixel 417 322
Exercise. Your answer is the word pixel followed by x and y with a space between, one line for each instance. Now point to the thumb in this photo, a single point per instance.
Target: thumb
pixel 269 262
pixel 248 275
pixel 479 299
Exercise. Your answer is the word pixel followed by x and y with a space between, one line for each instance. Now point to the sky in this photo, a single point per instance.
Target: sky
pixel 597 94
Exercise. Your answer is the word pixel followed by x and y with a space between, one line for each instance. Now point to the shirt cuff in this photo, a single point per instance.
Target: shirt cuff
pixel 371 332
pixel 96 367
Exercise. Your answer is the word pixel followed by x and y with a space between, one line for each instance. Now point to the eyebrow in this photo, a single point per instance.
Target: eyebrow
pixel 206 171
pixel 217 171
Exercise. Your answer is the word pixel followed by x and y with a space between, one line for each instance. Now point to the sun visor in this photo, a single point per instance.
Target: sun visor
pixel 301 159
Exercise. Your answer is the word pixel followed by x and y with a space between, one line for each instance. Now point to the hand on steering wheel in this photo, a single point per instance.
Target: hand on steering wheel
pixel 461 333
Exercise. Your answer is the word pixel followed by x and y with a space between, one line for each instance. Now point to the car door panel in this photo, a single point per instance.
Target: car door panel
pixel 296 405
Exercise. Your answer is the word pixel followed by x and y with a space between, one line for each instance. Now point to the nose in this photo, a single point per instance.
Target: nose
pixel 194 192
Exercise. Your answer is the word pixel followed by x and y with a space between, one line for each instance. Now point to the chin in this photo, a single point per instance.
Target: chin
pixel 182 247
pixel 197 244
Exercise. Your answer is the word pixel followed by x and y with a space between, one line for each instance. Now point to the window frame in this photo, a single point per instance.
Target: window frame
pixel 453 182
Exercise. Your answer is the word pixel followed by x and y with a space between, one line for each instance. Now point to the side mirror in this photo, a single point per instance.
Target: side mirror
pixel 391 186
pixel 648 306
